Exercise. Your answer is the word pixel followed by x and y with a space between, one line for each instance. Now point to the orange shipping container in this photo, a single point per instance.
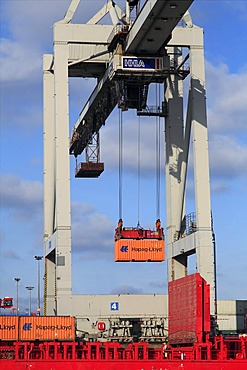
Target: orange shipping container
pixel 47 328
pixel 8 327
pixel 142 250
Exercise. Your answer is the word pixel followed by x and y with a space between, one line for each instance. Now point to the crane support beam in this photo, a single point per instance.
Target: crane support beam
pixel 107 9
pixel 180 244
pixel 153 27
pixel 87 48
pixel 70 11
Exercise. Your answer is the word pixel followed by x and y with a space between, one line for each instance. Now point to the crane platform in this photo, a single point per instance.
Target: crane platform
pixel 89 169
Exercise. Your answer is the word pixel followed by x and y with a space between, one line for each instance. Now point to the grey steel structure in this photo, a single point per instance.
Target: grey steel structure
pixel 17 280
pixel 96 50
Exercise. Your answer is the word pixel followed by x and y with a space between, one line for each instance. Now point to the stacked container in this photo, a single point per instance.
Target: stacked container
pixel 43 328
pixel 189 310
pixel 8 328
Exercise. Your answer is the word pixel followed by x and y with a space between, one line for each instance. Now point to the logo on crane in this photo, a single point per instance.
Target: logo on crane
pixel 137 63
pixel 133 63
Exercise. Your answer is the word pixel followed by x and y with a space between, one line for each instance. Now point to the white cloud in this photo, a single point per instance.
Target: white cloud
pixel 31 21
pixel 239 8
pixel 24 197
pixel 227 163
pixel 29 31
pixel 219 186
pixel 18 62
pixel 10 254
pixel 227 99
pixel 127 289
pixel 92 232
pixel 228 157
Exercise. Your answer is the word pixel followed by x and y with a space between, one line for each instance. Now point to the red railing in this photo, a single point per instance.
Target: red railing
pixel 221 349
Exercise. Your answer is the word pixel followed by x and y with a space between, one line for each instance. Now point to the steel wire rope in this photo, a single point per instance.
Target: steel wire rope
pixel 120 162
pixel 138 170
pixel 157 146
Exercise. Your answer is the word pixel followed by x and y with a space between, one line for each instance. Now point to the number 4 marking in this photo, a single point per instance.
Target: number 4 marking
pixel 114 306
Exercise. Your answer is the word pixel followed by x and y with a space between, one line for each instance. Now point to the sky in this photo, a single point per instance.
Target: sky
pixel 27 34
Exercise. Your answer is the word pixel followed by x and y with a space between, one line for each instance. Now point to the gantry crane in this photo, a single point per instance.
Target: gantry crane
pixel 160 46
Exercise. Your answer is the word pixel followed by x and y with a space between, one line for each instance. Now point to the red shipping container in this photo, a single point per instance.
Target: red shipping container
pixel 189 309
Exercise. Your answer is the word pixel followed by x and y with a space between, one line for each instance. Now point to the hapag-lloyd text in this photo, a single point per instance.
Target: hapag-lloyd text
pixel 146 249
pixel 7 327
pixel 53 327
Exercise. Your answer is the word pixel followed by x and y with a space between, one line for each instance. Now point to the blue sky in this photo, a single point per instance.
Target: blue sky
pixel 26 34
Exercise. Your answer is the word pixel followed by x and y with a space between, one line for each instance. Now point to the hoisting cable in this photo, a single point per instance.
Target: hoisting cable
pixel 157 137
pixel 215 268
pixel 138 171
pixel 120 159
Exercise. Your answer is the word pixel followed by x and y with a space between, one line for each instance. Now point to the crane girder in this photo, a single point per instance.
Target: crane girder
pixel 157 17
pixel 98 107
pixel 153 27
pixel 123 71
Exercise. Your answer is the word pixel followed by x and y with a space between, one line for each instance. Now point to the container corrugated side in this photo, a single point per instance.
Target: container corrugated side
pixel 182 311
pixel 47 328
pixel 9 328
pixel 206 308
pixel 126 250
pixel 189 309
